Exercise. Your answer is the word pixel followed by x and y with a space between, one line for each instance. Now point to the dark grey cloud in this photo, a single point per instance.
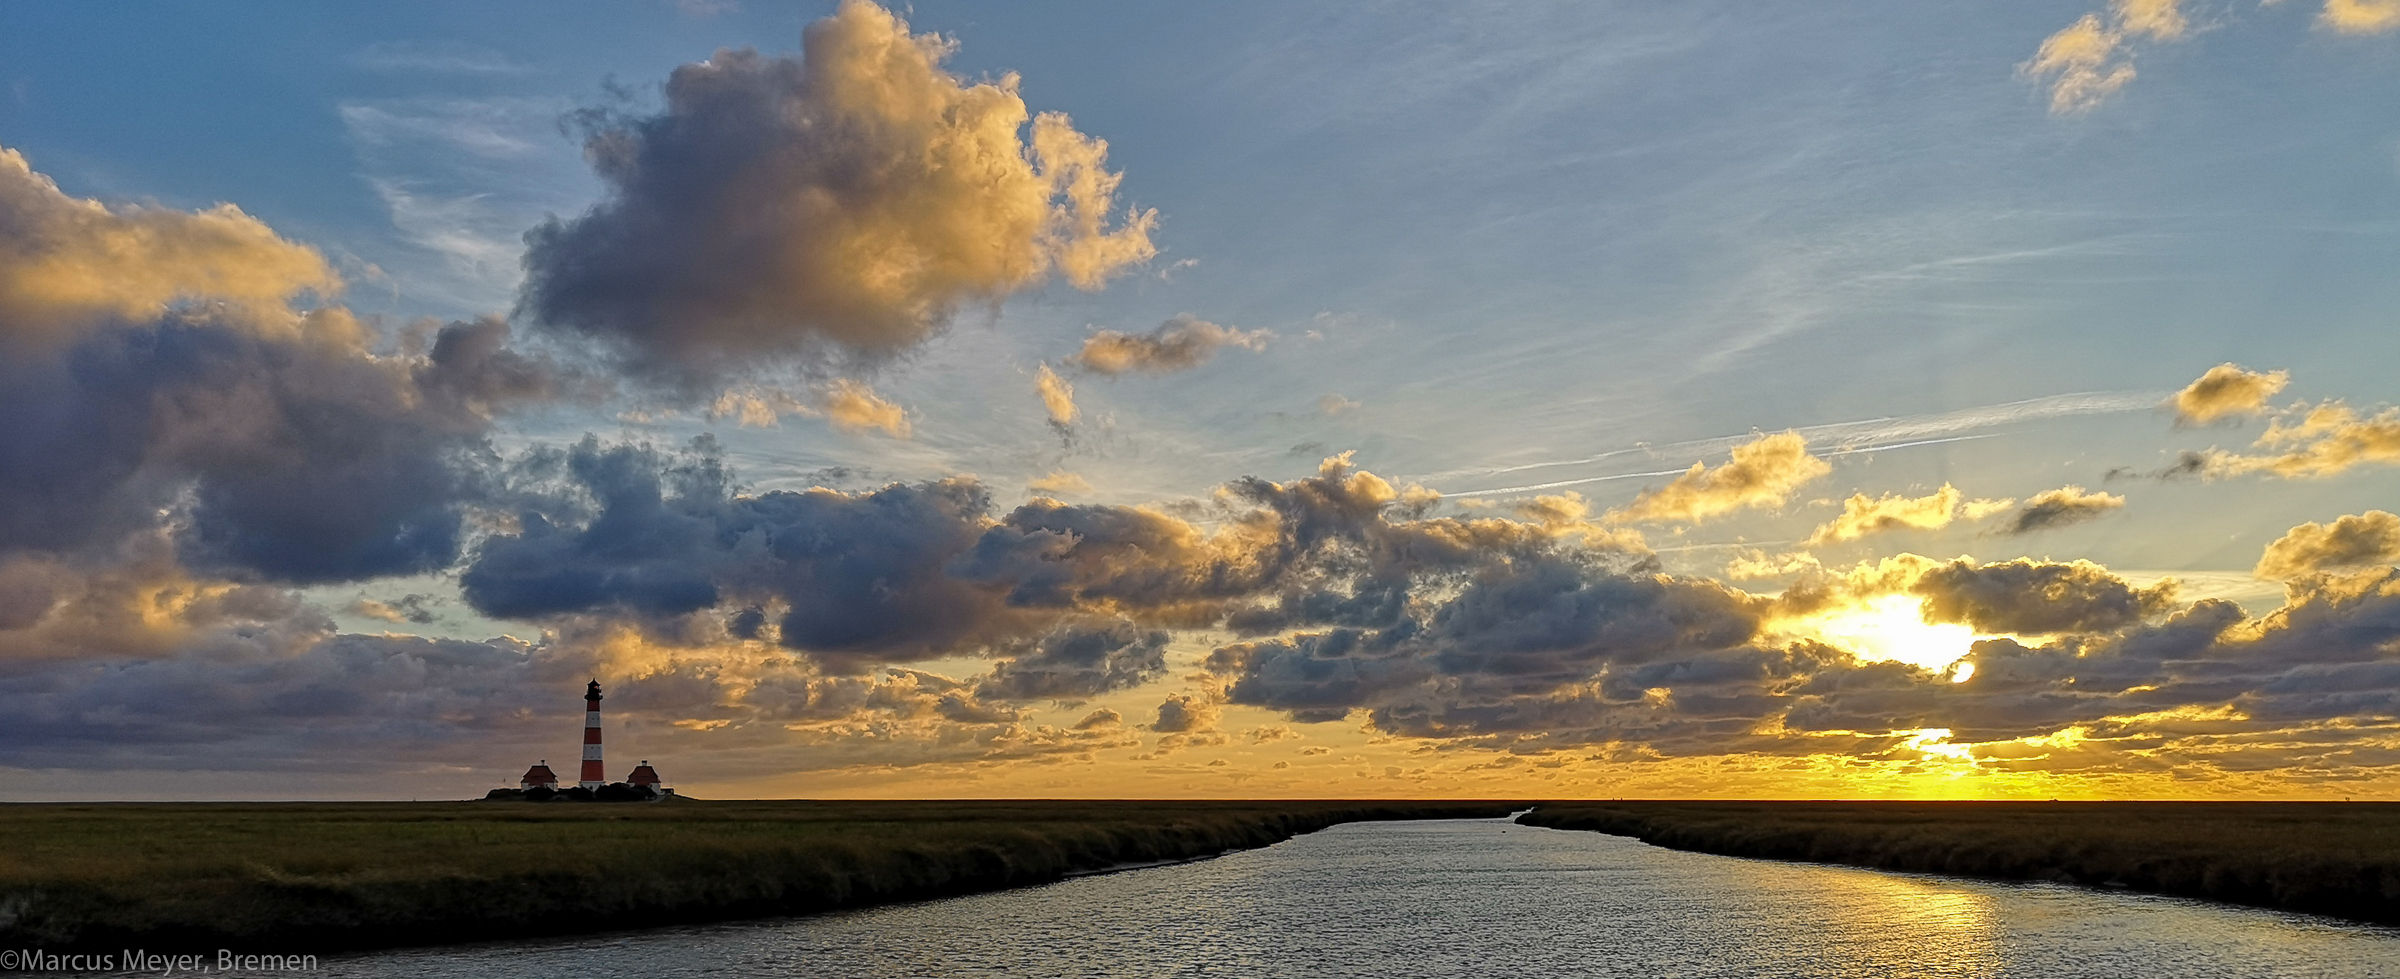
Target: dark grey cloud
pixel 909 571
pixel 2061 507
pixel 344 701
pixel 1557 655
pixel 631 530
pixel 289 457
pixel 1078 661
pixel 2035 597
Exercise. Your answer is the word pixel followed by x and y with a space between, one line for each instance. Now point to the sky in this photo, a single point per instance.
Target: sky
pixel 1873 400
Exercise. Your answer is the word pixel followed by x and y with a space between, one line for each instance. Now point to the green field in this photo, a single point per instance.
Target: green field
pixel 335 876
pixel 2330 858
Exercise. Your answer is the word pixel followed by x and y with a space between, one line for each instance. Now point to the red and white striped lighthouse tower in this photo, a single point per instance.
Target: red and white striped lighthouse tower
pixel 593 778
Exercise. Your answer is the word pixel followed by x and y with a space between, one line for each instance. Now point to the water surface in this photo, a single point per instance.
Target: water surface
pixel 1471 898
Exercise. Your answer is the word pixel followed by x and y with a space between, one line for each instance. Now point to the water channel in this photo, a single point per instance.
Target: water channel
pixel 1470 898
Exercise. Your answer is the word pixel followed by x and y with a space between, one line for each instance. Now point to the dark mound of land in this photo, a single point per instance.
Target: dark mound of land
pixel 346 876
pixel 2329 858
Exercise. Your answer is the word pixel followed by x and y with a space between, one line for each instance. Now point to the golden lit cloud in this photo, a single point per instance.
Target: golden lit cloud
pixel 2350 541
pixel 845 202
pixel 65 260
pixel 756 407
pixel 2087 61
pixel 1762 473
pixel 2161 19
pixel 854 407
pixel 1863 515
pixel 848 405
pixel 2326 440
pixel 2227 391
pixel 1058 396
pixel 1061 483
pixel 2360 16
pixel 1178 344
pixel 2080 65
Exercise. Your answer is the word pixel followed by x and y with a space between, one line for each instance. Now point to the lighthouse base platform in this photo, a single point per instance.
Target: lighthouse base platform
pixel 612 792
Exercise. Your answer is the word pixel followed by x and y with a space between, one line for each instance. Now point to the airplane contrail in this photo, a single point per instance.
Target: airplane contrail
pixel 1865 435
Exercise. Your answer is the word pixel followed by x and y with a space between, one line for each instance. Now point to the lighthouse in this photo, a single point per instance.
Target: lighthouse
pixel 593 778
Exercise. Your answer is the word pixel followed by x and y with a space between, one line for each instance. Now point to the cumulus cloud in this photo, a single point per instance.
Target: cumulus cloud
pixel 1058 397
pixel 272 444
pixel 2061 507
pixel 2035 597
pixel 1863 515
pixel 67 263
pixel 2227 391
pixel 1543 656
pixel 2326 440
pixel 1181 343
pixel 1762 473
pixel 1186 714
pixel 1079 661
pixel 2360 16
pixel 137 601
pixel 2350 541
pixel 838 205
pixel 912 571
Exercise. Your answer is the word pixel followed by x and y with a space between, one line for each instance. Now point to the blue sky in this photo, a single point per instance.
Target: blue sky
pixel 1498 250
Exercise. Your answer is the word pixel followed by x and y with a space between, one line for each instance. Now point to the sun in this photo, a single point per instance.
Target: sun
pixel 1891 627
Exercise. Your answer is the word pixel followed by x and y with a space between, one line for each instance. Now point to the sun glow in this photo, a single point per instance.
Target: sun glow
pixel 1890 627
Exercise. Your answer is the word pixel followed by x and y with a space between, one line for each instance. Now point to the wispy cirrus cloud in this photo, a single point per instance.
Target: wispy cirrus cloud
pixel 461 179
pixel 438 57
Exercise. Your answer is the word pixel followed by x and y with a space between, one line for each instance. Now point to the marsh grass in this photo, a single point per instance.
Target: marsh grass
pixel 2340 859
pixel 334 876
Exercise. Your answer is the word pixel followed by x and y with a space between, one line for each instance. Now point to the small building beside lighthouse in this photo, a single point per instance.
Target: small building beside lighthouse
pixel 539 777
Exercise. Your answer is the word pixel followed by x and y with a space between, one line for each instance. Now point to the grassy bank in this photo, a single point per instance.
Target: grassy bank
pixel 2338 859
pixel 338 876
